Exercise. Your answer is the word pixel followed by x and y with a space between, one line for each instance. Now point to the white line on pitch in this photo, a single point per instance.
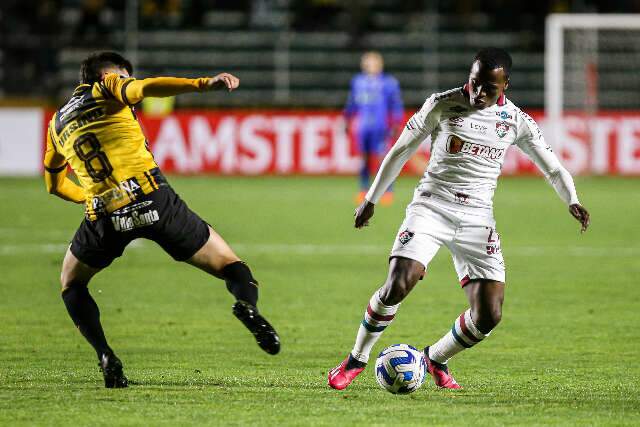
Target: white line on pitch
pixel 346 249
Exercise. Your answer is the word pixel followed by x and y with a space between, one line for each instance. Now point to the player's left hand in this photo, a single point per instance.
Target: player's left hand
pixel 224 81
pixel 363 214
pixel 581 214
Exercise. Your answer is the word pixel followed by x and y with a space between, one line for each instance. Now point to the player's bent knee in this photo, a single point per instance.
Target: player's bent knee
pixel 403 276
pixel 214 255
pixel 393 294
pixel 67 281
pixel 487 318
pixel 495 316
pixel 74 273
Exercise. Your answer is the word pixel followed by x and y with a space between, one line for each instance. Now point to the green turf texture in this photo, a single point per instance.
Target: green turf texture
pixel 566 353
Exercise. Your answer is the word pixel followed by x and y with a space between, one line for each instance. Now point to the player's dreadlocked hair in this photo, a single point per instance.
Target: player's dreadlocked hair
pixel 91 68
pixel 493 58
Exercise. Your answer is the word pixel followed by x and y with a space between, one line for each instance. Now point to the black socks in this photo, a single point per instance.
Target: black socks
pixel 354 363
pixel 240 282
pixel 85 314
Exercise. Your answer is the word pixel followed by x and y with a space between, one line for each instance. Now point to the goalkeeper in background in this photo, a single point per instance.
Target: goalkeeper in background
pixel 126 196
pixel 375 106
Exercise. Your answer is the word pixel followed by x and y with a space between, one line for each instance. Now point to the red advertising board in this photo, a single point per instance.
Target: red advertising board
pixel 252 143
pixel 314 143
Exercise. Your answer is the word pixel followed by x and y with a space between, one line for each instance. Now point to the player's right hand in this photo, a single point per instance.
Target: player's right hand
pixel 363 214
pixel 582 215
pixel 224 81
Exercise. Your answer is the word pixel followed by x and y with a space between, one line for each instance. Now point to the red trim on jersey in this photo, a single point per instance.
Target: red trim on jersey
pixel 379 317
pixel 466 331
pixel 466 279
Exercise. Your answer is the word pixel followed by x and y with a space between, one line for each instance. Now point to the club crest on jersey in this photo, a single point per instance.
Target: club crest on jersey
pixel 502 128
pixel 405 237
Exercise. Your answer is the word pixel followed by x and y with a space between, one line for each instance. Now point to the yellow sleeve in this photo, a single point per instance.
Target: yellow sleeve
pixel 53 161
pixel 55 175
pixel 130 91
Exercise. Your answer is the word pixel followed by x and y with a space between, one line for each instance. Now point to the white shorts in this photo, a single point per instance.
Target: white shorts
pixel 469 234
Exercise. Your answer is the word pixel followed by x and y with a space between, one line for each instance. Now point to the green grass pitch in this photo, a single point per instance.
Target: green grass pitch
pixel 567 351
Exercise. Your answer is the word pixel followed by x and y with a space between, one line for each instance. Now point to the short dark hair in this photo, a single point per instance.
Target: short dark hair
pixel 91 68
pixel 494 57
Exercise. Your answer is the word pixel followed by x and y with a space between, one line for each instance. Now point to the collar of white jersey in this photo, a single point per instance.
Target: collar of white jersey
pixel 502 101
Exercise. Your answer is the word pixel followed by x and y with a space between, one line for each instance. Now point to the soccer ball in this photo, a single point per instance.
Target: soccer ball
pixel 400 369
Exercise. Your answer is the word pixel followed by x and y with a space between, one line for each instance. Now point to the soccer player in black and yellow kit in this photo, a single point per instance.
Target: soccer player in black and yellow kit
pixel 126 197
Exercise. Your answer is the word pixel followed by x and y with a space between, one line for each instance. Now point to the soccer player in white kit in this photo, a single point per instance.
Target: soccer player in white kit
pixel 471 128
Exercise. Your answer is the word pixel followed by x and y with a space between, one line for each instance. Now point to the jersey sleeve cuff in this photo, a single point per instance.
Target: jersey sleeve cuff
pixel 56 170
pixel 371 198
pixel 123 93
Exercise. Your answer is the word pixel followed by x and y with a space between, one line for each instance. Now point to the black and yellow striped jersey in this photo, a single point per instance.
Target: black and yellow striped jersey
pixel 98 135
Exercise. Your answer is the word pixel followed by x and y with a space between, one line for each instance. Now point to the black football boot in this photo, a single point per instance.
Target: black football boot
pixel 111 368
pixel 264 333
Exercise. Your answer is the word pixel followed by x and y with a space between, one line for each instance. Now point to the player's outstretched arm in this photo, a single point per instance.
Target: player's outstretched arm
pixel 55 176
pixel 533 144
pixel 421 124
pixel 131 91
pixel 402 150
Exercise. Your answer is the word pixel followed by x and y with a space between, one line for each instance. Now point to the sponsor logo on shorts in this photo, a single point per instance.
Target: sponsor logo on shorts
pixel 405 237
pixel 462 198
pixel 134 219
pixel 493 242
pixel 132 207
pixel 502 128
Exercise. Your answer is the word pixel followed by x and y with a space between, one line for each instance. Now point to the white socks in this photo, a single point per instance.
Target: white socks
pixel 377 317
pixel 463 334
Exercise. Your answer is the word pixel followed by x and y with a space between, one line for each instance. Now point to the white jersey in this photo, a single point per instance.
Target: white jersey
pixel 468 148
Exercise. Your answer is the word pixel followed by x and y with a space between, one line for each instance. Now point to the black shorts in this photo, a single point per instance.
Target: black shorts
pixel 160 216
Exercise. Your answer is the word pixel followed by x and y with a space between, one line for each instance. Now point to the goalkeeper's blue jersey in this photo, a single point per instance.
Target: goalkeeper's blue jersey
pixel 374 100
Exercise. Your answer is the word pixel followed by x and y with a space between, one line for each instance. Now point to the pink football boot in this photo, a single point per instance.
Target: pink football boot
pixel 440 373
pixel 340 377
